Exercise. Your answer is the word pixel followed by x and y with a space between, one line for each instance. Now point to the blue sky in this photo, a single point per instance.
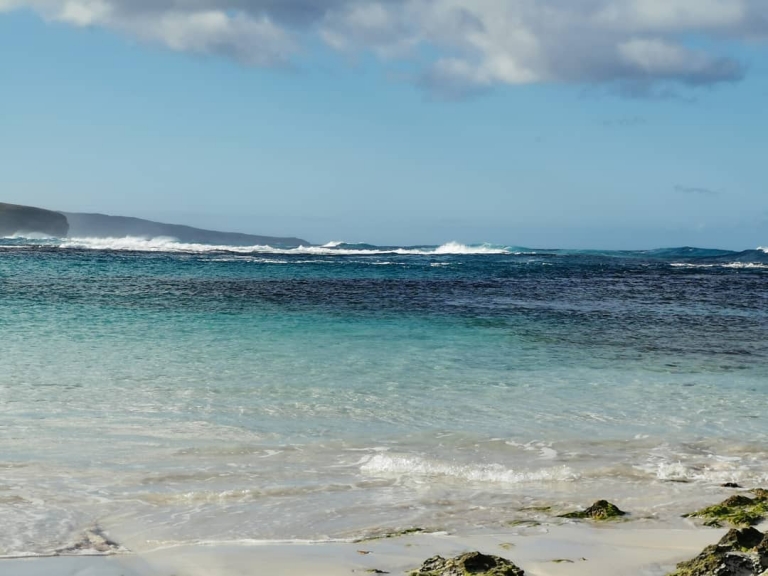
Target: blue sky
pixel 332 125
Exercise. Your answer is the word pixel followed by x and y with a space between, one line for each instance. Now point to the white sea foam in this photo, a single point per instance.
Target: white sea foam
pixel 29 236
pixel 732 265
pixel 420 468
pixel 747 266
pixel 715 470
pixel 456 248
pixel 763 249
pixel 164 244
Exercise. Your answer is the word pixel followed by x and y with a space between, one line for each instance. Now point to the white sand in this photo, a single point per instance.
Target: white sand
pixel 584 550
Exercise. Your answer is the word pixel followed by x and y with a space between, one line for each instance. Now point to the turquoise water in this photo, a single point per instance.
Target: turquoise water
pixel 183 393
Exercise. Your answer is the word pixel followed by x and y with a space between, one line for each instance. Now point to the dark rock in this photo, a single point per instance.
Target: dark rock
pixel 473 563
pixel 760 493
pixel 600 510
pixel 730 485
pixel 27 220
pixel 739 553
pixel 738 500
pixel 95 542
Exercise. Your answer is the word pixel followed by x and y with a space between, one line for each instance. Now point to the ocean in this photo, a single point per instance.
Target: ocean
pixel 177 393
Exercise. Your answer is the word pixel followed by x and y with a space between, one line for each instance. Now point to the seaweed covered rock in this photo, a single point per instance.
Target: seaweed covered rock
pixel 600 510
pixel 739 553
pixel 470 564
pixel 738 510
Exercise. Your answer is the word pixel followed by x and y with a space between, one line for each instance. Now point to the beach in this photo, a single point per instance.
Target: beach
pixel 548 551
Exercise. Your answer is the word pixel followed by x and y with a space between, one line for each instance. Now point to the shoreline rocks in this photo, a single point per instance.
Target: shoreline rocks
pixel 470 564
pixel 741 552
pixel 737 510
pixel 600 510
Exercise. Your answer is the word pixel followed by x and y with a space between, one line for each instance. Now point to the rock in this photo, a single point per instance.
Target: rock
pixel 730 485
pixel 739 553
pixel 760 493
pixel 473 563
pixel 27 220
pixel 600 510
pixel 738 510
pixel 94 542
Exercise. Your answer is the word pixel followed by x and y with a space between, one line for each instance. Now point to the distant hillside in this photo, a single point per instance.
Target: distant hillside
pixel 103 226
pixel 21 220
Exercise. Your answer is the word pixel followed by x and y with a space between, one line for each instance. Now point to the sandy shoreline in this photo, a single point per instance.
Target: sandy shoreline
pixel 578 550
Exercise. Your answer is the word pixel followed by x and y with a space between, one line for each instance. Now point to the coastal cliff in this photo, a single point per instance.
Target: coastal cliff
pixel 26 220
pixel 21 220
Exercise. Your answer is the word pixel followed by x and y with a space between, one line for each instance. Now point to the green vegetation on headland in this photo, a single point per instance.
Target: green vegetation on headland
pixel 20 220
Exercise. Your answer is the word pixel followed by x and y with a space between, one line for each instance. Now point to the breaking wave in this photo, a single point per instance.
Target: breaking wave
pixel 419 468
pixel 161 244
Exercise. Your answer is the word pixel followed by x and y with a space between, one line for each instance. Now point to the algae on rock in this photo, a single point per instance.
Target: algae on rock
pixel 739 553
pixel 470 564
pixel 737 510
pixel 600 510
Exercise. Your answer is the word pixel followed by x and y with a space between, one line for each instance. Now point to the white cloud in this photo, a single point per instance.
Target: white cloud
pixel 460 45
pixel 660 59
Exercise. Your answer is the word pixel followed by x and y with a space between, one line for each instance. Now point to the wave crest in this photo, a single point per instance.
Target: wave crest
pixel 164 244
pixel 417 467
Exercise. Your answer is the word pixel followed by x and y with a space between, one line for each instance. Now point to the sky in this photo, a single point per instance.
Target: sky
pixel 542 123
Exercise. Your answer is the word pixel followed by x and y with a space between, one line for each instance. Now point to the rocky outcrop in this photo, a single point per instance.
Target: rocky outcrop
pixel 471 564
pixel 739 553
pixel 21 220
pixel 738 510
pixel 600 510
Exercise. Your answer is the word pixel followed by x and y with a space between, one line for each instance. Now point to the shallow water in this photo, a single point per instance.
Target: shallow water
pixel 181 393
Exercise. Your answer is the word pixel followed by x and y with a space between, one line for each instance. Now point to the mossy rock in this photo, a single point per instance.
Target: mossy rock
pixel 471 564
pixel 600 510
pixel 741 552
pixel 737 510
pixel 760 493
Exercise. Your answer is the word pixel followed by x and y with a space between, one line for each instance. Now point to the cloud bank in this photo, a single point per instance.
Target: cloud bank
pixel 454 46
